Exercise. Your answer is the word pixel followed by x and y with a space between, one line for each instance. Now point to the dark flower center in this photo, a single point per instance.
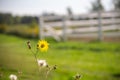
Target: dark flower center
pixel 42 45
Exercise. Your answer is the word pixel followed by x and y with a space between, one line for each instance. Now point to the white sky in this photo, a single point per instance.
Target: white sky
pixel 36 7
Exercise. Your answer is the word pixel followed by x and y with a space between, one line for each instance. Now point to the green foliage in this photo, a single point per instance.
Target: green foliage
pixel 22 30
pixel 33 24
pixel 93 60
pixel 17 20
pixel 3 28
pixel 7 18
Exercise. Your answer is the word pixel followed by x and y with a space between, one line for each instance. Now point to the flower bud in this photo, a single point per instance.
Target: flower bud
pixel 28 44
pixel 54 67
pixel 77 77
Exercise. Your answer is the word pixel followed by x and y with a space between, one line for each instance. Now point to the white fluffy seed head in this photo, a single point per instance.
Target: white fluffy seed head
pixel 42 63
pixel 13 77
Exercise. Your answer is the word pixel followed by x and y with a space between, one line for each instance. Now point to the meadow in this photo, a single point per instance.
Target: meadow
pixel 92 60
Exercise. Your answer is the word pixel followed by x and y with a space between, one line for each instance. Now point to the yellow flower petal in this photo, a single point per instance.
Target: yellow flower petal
pixel 42 45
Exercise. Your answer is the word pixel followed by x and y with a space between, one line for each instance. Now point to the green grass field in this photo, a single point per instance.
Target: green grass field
pixel 93 60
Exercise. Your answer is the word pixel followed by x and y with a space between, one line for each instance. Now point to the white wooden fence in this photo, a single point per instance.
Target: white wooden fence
pixel 77 24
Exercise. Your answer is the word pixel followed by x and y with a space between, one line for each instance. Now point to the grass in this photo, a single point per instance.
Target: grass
pixel 93 60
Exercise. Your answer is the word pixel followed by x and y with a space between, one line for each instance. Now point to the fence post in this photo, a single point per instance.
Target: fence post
pixel 64 29
pixel 41 30
pixel 100 34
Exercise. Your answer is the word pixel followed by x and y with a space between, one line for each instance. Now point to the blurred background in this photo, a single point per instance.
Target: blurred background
pixel 84 37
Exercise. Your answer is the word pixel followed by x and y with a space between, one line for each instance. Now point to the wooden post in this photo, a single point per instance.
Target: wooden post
pixel 41 30
pixel 64 29
pixel 100 35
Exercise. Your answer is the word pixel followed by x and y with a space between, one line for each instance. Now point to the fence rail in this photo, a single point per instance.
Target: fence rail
pixel 83 23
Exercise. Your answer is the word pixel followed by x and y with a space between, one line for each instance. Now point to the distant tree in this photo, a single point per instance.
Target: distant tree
pixel 97 5
pixel 33 24
pixel 17 20
pixel 6 18
pixel 116 4
pixel 1 18
pixel 69 10
pixel 28 19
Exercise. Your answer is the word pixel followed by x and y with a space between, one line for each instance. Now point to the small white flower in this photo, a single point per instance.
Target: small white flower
pixel 13 77
pixel 42 63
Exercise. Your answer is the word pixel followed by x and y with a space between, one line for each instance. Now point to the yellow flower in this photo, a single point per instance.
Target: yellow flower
pixel 42 45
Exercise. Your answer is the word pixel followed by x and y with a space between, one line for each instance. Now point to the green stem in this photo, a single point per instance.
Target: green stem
pixel 47 74
pixel 50 69
pixel 35 56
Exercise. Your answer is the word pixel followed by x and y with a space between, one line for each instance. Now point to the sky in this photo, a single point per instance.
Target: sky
pixel 37 7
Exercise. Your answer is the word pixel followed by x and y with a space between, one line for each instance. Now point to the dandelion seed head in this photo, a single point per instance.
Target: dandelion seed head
pixel 13 77
pixel 42 63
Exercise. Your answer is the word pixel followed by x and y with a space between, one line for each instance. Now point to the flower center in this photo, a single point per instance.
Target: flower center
pixel 42 45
